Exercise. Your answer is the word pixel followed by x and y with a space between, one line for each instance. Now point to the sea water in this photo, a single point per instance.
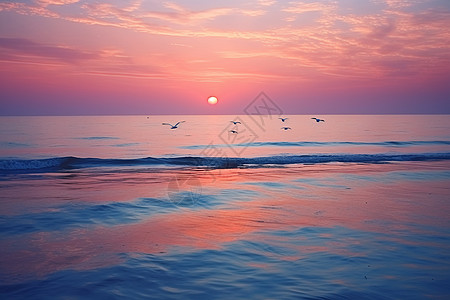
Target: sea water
pixel 109 207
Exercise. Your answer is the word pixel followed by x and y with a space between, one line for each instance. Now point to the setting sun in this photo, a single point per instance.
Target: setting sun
pixel 212 100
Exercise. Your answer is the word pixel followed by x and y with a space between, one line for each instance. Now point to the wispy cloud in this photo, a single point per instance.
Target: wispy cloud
pixel 400 4
pixel 24 47
pixel 382 31
pixel 28 9
pixel 56 2
pixel 400 36
pixel 303 7
pixel 267 2
pixel 105 62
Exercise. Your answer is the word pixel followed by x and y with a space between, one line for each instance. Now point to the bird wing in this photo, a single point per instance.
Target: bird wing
pixel 179 123
pixel 167 124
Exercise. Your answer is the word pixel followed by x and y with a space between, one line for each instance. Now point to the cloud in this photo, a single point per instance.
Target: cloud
pixel 56 2
pixel 432 17
pixel 25 47
pixel 267 2
pixel 397 4
pixel 338 44
pixel 127 75
pixel 382 31
pixel 105 63
pixel 25 9
pixel 304 7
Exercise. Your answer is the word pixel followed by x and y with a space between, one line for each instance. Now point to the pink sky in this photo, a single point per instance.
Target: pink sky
pixel 71 57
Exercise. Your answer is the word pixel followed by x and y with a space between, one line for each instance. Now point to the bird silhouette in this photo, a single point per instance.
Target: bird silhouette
pixel 286 128
pixel 174 126
pixel 235 122
pixel 283 119
pixel 318 120
pixel 233 131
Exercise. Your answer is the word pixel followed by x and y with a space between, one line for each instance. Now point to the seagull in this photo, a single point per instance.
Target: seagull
pixel 174 126
pixel 318 120
pixel 233 131
pixel 235 122
pixel 283 119
pixel 286 128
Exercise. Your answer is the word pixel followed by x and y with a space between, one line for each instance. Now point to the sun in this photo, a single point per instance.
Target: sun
pixel 212 100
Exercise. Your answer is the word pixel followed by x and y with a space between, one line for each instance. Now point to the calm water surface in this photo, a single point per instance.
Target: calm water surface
pixel 356 207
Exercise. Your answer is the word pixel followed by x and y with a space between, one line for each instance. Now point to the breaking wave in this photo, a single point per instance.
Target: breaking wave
pixel 325 144
pixel 66 163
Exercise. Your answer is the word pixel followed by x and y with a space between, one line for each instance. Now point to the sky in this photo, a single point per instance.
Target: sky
pixel 75 57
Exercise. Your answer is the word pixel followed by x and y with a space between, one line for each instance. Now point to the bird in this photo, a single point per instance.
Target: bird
pixel 174 126
pixel 233 131
pixel 283 119
pixel 318 120
pixel 286 128
pixel 235 122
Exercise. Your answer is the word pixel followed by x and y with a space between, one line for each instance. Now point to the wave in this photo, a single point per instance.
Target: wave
pixel 98 138
pixel 14 145
pixel 324 144
pixel 67 163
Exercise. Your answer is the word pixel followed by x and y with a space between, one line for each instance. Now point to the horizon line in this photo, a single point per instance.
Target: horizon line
pixel 205 114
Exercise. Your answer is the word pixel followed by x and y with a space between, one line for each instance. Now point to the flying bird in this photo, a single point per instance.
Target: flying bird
pixel 283 119
pixel 174 126
pixel 286 128
pixel 233 131
pixel 318 120
pixel 235 122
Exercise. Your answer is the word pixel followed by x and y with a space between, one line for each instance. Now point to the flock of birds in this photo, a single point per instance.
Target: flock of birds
pixel 289 128
pixel 283 120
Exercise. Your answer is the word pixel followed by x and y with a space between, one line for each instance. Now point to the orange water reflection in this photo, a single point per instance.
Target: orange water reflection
pixel 282 200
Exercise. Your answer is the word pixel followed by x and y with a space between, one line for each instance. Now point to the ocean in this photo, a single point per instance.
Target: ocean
pixel 113 207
